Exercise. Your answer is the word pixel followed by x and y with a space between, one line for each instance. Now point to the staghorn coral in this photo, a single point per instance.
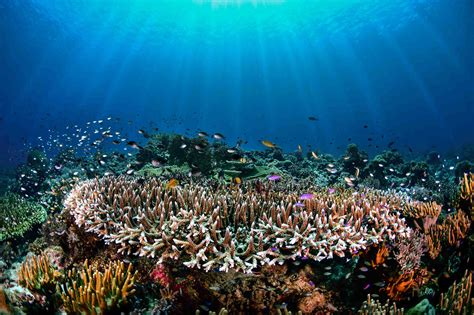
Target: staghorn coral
pixel 428 212
pixel 452 230
pixel 410 250
pixel 232 228
pixel 18 216
pixel 458 299
pixel 374 307
pixel 38 274
pixel 89 291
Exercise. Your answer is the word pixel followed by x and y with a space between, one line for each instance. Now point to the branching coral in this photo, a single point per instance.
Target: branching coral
pixel 452 230
pixel 458 299
pixel 410 250
pixel 428 212
pixel 89 291
pixel 218 227
pixel 18 216
pixel 231 228
pixel 38 274
pixel 372 306
pixel 467 194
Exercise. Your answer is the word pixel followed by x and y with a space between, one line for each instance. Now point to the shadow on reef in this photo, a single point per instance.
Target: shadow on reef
pixel 188 225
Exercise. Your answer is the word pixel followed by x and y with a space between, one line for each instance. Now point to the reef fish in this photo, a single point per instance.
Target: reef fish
pixel 172 183
pixel 268 144
pixel 307 196
pixel 218 136
pixel 274 178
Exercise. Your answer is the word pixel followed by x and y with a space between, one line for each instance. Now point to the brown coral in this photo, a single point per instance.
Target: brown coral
pixel 89 291
pixel 467 194
pixel 427 212
pixel 450 232
pixel 458 299
pixel 216 227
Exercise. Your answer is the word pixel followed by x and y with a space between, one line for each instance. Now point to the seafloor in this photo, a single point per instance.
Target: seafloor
pixel 190 225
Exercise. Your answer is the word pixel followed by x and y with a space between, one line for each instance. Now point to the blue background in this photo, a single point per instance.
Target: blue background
pixel 250 69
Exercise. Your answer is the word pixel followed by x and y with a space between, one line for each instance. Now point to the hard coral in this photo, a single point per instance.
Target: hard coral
pixel 372 306
pixel 217 227
pixel 89 291
pixel 18 216
pixel 458 299
pixel 467 194
pixel 39 275
pixel 450 232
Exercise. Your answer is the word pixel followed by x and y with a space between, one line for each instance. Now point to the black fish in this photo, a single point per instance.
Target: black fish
pixel 116 142
pixel 391 143
pixel 313 118
pixel 218 136
pixel 410 149
pixel 365 126
pixel 203 134
pixel 134 145
pixel 370 139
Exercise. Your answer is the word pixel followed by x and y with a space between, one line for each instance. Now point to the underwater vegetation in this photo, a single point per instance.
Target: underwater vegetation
pixel 185 225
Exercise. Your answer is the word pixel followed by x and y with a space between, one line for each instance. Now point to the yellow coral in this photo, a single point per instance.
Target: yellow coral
pixel 38 274
pixel 90 291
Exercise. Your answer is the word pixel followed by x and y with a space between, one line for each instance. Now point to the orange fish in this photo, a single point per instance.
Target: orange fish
pixel 172 183
pixel 268 144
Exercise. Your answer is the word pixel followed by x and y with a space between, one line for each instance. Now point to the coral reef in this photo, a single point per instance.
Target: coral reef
pixel 217 227
pixel 18 216
pixel 238 231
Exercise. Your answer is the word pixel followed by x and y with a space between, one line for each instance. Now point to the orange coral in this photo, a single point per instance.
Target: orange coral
pixel 4 309
pixel 410 280
pixel 382 253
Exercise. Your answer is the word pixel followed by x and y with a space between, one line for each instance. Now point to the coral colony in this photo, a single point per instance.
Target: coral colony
pixel 186 225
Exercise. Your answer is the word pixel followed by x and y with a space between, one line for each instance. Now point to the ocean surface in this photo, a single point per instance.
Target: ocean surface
pixel 247 69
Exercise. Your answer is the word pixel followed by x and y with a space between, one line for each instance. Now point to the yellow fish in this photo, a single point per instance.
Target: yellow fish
pixel 268 144
pixel 243 160
pixel 172 183
pixel 237 180
pixel 315 155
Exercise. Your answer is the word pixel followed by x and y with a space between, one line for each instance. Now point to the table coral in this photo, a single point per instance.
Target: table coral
pixel 217 227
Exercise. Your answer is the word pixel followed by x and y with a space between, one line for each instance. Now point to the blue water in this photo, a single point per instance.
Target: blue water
pixel 249 69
